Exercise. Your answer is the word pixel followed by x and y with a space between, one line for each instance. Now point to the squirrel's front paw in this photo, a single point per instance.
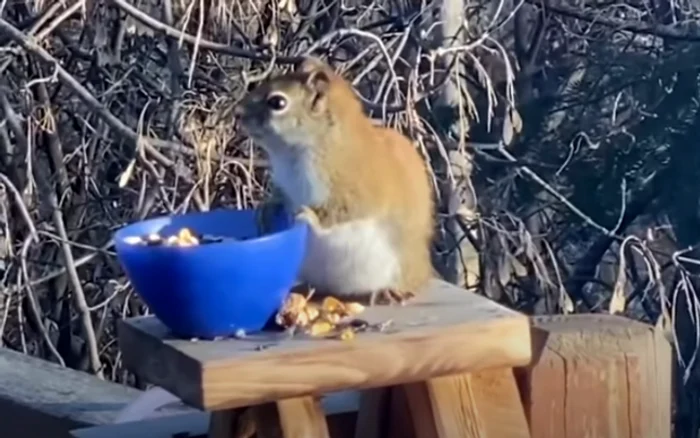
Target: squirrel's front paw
pixel 306 214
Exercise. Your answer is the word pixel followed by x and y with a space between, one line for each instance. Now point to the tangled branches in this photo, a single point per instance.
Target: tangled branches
pixel 113 111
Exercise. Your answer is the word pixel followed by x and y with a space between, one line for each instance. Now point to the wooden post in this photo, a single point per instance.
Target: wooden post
pixel 485 404
pixel 597 376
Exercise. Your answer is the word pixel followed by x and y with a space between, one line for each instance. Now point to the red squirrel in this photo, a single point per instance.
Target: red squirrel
pixel 364 190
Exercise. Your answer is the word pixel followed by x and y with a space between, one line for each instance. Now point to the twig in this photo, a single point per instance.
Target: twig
pixel 61 271
pixel 34 307
pixel 21 206
pixel 90 100
pixel 171 32
pixel 78 292
pixel 587 219
pixel 659 30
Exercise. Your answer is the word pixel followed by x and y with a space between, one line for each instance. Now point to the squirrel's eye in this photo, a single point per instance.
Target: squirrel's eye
pixel 276 102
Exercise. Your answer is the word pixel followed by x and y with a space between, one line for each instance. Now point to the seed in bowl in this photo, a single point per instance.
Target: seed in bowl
pixel 185 237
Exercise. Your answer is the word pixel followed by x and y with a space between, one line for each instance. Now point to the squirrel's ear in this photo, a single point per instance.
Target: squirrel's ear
pixel 318 74
pixel 309 64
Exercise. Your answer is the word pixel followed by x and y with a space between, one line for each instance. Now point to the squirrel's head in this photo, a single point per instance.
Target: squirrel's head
pixel 296 109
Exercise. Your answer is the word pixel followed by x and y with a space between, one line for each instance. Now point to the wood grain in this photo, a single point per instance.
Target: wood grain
pixel 598 376
pixel 371 413
pixel 486 404
pixel 446 330
pixel 302 417
pixel 41 398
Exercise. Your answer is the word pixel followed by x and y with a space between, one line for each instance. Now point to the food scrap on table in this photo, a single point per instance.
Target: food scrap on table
pixel 331 319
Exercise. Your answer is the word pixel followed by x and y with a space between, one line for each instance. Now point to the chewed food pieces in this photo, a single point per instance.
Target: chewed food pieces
pixel 326 320
pixel 293 313
pixel 354 308
pixel 185 237
pixel 319 328
pixel 347 334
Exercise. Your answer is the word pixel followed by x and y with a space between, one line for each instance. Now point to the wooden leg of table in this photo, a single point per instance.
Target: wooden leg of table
pixel 233 423
pixel 302 417
pixel 479 405
pixel 371 415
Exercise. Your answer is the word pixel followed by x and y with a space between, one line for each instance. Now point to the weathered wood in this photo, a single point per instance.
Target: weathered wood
pixel 195 424
pixel 372 413
pixel 40 398
pixel 302 417
pixel 484 404
pixel 340 410
pixel 232 423
pixel 446 330
pixel 598 376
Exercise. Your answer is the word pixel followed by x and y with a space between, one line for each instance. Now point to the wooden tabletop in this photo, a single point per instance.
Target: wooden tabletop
pixel 444 330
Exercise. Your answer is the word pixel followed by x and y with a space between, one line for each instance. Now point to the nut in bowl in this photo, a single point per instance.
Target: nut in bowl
pixel 212 274
pixel 185 237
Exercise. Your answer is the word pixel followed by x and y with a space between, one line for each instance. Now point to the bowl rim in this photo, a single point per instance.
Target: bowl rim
pixel 295 227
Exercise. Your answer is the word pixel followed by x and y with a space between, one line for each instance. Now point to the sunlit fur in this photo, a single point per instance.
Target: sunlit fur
pixel 367 184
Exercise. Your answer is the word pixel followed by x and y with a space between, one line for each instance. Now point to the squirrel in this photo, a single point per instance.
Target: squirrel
pixel 364 190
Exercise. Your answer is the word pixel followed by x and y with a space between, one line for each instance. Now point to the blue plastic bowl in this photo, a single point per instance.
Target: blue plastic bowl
pixel 214 289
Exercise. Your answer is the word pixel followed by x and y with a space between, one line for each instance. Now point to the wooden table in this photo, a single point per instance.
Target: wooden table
pixel 448 355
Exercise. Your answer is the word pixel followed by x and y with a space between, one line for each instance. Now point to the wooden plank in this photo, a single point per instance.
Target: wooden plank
pixel 194 424
pixel 485 404
pixel 41 398
pixel 302 417
pixel 340 409
pixel 371 413
pixel 197 425
pixel 445 330
pixel 598 376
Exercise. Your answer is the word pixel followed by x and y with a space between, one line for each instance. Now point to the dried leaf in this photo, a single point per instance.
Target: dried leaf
pixel 507 134
pixel 126 175
pixel 512 124
pixel 618 301
pixel 516 121
pixel 565 302
pixel 518 268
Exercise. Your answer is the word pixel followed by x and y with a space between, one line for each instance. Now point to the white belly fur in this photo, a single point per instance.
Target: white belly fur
pixel 351 258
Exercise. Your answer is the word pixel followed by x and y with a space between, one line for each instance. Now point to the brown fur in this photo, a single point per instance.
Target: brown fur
pixel 370 171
